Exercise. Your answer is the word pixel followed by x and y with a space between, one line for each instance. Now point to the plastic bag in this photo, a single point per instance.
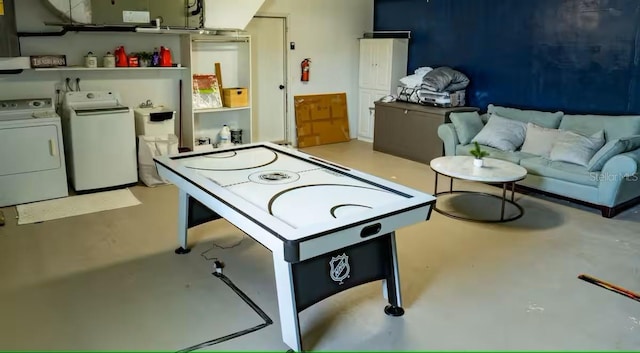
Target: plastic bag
pixel 149 147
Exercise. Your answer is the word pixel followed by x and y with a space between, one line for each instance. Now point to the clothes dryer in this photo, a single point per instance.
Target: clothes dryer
pixel 32 161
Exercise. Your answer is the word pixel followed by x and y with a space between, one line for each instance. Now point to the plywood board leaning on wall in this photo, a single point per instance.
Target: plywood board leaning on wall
pixel 321 119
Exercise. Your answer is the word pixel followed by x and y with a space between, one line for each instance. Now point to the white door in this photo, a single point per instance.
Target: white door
pixel 367 68
pixel 268 84
pixel 29 149
pixel 366 113
pixel 383 55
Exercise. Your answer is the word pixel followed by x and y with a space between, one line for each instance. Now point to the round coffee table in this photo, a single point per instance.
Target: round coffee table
pixel 494 171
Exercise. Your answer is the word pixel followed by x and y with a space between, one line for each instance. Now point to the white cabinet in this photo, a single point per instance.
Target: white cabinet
pixel 201 53
pixel 383 62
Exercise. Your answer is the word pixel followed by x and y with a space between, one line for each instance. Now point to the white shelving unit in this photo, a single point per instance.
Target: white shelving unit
pixel 200 53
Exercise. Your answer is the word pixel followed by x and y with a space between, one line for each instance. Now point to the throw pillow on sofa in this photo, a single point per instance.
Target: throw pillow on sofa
pixel 502 133
pixel 467 125
pixel 610 149
pixel 575 148
pixel 631 142
pixel 545 119
pixel 539 140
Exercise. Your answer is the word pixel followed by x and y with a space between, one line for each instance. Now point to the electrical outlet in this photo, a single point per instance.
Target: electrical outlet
pixel 59 87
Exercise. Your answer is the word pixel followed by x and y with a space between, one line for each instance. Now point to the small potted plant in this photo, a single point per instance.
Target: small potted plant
pixel 145 58
pixel 478 153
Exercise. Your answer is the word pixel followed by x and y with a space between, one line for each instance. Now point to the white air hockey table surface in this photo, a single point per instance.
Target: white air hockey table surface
pixel 329 227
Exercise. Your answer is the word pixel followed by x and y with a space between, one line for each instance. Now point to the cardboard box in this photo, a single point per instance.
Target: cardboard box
pixel 321 119
pixel 235 97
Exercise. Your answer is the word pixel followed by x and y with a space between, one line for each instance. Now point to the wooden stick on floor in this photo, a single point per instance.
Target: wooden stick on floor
pixel 611 287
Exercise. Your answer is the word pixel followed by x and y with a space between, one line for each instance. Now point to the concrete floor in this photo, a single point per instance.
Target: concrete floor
pixel 110 280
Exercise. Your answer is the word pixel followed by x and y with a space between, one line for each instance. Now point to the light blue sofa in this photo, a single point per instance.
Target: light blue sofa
pixel 611 183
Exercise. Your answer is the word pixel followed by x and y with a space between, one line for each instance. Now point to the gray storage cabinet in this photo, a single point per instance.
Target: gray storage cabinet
pixel 410 130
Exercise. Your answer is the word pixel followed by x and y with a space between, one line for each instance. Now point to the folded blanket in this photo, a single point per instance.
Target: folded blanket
pixel 444 79
pixel 415 80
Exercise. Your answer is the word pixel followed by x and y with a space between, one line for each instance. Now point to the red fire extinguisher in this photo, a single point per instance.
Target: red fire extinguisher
pixel 305 69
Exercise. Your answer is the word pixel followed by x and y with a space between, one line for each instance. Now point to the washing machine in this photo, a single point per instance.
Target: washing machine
pixel 32 161
pixel 100 141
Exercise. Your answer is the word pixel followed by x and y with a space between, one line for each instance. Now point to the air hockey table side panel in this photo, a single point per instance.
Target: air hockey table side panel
pixel 324 243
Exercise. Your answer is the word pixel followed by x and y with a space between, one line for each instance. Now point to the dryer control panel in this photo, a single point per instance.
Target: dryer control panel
pixel 31 104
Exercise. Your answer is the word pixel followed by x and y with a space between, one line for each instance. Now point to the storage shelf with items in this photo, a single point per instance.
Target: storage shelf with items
pixel 217 65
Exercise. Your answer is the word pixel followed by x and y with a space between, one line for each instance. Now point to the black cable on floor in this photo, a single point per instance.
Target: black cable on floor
pixel 246 299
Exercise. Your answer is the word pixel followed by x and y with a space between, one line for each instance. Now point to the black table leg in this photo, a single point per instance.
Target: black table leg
pixel 392 282
pixel 191 213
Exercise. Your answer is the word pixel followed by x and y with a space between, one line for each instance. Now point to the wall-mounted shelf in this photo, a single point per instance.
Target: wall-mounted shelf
pixel 80 68
pixel 216 110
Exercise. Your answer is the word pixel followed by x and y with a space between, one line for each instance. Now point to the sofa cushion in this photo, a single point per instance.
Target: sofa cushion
pixel 544 119
pixel 560 170
pixel 501 133
pixel 610 149
pixel 467 125
pixel 614 126
pixel 514 157
pixel 631 142
pixel 575 148
pixel 539 140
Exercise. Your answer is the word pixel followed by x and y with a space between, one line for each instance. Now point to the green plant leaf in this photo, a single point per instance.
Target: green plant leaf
pixel 478 152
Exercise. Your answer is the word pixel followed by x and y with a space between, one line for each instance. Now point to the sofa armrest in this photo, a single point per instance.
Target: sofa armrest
pixel 619 179
pixel 449 137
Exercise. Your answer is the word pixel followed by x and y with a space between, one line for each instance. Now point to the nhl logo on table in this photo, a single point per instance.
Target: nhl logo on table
pixel 340 268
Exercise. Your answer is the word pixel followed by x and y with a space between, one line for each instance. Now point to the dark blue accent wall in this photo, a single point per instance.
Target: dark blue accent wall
pixel 579 56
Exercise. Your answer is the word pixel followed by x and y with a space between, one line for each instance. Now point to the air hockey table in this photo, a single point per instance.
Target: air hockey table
pixel 329 227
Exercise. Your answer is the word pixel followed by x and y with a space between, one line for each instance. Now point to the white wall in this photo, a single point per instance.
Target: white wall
pixel 327 32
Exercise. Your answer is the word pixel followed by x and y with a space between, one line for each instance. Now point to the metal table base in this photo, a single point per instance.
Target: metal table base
pixel 504 200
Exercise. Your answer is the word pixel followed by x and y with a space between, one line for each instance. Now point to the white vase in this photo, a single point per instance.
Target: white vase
pixel 478 162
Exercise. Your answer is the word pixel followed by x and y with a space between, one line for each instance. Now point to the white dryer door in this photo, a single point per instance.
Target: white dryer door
pixel 29 149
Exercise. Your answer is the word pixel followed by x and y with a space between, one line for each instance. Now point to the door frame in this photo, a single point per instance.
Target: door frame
pixel 287 89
